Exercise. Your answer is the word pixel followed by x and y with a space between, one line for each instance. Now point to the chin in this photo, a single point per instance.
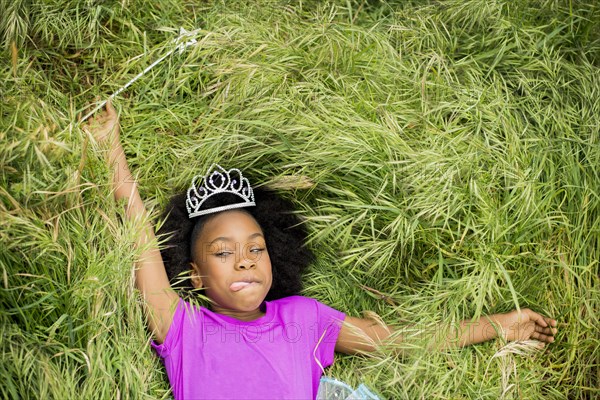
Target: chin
pixel 254 303
pixel 250 305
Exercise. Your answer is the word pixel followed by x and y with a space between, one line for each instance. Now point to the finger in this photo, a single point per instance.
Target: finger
pixel 93 104
pixel 548 339
pixel 537 318
pixel 539 344
pixel 94 121
pixel 104 115
pixel 101 117
pixel 545 331
pixel 88 109
pixel 542 338
pixel 110 109
pixel 550 321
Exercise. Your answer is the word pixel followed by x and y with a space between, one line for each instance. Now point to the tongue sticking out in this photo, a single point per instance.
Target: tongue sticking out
pixel 235 286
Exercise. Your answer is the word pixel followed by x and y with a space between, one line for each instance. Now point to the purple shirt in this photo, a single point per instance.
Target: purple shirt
pixel 277 356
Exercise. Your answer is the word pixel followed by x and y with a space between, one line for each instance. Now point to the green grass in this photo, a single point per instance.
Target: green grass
pixel 454 149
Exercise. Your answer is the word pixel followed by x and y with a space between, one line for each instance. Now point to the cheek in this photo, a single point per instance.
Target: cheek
pixel 262 258
pixel 213 269
pixel 266 263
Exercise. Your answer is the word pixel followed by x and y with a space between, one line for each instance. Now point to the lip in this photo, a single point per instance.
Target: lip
pixel 243 284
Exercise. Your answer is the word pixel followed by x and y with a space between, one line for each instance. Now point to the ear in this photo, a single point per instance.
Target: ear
pixel 196 278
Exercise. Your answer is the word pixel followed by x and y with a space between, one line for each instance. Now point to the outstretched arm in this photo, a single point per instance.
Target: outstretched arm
pixel 150 276
pixel 359 335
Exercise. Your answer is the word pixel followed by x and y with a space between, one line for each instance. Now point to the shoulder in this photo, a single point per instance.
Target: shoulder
pixel 189 313
pixel 305 305
pixel 190 307
pixel 296 301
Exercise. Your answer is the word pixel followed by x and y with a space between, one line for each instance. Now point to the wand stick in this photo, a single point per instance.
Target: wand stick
pixel 181 47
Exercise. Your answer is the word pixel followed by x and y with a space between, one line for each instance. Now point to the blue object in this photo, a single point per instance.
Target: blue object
pixel 332 389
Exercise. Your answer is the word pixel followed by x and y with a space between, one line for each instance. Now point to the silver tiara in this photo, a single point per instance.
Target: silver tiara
pixel 216 181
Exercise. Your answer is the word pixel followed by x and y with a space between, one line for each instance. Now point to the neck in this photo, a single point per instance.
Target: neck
pixel 241 315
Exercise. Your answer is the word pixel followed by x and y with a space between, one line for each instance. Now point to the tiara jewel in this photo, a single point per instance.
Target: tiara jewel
pixel 216 181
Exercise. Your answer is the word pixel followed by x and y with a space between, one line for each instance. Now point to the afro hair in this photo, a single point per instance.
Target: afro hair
pixel 285 238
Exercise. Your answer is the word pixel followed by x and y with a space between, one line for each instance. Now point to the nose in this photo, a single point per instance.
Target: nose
pixel 245 264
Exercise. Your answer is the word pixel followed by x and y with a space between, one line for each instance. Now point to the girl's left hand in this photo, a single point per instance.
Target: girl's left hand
pixel 526 324
pixel 104 126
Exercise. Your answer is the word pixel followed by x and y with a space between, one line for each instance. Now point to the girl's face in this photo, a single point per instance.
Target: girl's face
pixel 232 264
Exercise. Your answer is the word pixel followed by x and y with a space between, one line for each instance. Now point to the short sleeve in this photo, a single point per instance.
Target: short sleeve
pixel 329 322
pixel 174 333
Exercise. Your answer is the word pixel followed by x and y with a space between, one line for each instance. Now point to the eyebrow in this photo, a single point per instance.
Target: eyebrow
pixel 228 239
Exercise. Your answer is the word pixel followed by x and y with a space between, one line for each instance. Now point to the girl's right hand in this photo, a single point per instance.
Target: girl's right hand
pixel 526 324
pixel 104 126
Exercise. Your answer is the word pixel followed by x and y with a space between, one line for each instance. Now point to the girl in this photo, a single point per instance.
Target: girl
pixel 259 339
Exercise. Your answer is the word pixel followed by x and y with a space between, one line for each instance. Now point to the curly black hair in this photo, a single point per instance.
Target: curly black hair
pixel 285 238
